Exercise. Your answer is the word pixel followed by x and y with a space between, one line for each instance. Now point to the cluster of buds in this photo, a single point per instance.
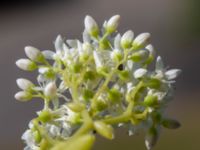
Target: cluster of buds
pixel 94 86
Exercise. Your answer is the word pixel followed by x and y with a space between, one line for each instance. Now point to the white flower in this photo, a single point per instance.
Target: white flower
pixel 91 26
pixel 26 64
pixel 127 39
pixel 34 54
pixel 48 54
pixel 117 40
pixel 116 55
pixel 151 49
pixel 102 58
pixel 172 74
pixel 24 84
pixel 141 40
pixel 112 23
pixel 28 137
pixel 139 73
pixel 162 73
pixel 50 90
pixel 23 96
pixel 59 43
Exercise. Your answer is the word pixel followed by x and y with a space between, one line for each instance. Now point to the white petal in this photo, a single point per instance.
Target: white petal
pixel 159 64
pixel 48 54
pixel 151 49
pixel 172 74
pixel 139 73
pixel 113 22
pixel 142 39
pixel 117 41
pixel 50 90
pixel 86 37
pixel 90 24
pixel 59 43
pixel 72 43
pixel 23 83
pixel 32 52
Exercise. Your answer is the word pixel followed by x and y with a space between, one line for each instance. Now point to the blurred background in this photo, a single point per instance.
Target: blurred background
pixel 175 29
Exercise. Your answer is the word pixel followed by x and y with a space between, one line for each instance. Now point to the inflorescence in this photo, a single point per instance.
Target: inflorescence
pixel 95 86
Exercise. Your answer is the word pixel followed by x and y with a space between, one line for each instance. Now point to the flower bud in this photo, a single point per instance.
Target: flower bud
pixel 45 116
pixel 172 74
pixel 104 129
pixel 76 107
pixel 112 24
pixel 151 100
pixel 141 41
pixel 83 142
pixel 91 26
pixel 139 73
pixel 26 64
pixel 34 54
pixel 151 138
pixel 101 104
pixel 23 96
pixel 140 55
pixel 114 95
pixel 124 75
pixel 37 136
pixel 127 39
pixel 116 55
pixel 50 90
pixel 24 84
pixel 151 49
pixel 153 83
pixel 171 124
pixel 87 94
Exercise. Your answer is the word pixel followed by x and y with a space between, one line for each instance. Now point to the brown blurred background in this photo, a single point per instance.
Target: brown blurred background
pixel 175 28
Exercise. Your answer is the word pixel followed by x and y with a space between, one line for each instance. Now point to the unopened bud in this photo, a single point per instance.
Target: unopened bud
pixel 26 64
pixel 34 54
pixel 140 55
pixel 112 24
pixel 127 39
pixel 23 96
pixel 171 124
pixel 141 41
pixel 114 95
pixel 24 84
pixel 151 138
pixel 76 107
pixel 151 100
pixel 45 116
pixel 50 90
pixel 116 55
pixel 139 73
pixel 83 142
pixel 104 129
pixel 91 26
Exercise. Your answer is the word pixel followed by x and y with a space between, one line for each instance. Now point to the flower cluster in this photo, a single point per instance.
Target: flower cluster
pixel 94 86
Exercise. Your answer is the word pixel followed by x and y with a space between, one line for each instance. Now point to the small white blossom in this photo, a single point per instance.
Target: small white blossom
pixel 24 84
pixel 23 96
pixel 34 54
pixel 91 25
pixel 172 74
pixel 127 39
pixel 26 64
pixel 28 137
pixel 141 40
pixel 139 73
pixel 113 23
pixel 50 90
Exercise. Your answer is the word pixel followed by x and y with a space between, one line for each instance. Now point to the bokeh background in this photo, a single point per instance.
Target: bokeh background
pixel 175 28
